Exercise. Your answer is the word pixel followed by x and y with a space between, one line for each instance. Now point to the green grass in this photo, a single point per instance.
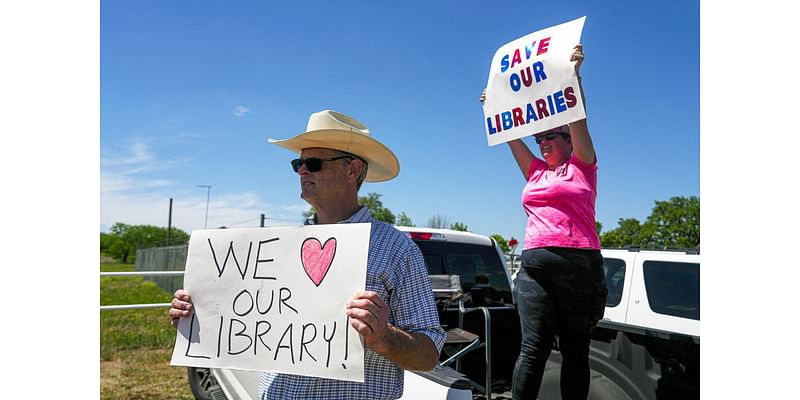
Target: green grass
pixel 129 290
pixel 132 329
pixel 136 345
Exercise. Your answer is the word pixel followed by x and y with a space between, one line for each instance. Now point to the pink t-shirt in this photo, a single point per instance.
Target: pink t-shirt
pixel 560 205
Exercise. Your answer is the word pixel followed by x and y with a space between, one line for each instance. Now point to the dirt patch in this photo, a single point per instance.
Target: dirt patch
pixel 143 374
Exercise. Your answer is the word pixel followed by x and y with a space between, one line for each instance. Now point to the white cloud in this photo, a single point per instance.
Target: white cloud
pixel 155 183
pixel 240 111
pixel 138 153
pixel 117 174
pixel 129 195
pixel 138 158
pixel 237 210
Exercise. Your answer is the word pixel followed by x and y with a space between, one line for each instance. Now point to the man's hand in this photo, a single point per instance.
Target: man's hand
pixel 368 316
pixel 181 306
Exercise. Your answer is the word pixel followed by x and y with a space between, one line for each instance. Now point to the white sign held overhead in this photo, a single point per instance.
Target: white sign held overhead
pixel 532 85
pixel 274 299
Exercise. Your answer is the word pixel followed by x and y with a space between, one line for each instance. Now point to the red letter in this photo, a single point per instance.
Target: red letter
pixel 526 80
pixel 569 94
pixel 543 46
pixel 516 60
pixel 541 107
pixel 518 120
pixel 497 122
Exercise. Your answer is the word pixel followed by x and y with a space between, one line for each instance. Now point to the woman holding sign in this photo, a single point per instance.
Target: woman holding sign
pixel 560 288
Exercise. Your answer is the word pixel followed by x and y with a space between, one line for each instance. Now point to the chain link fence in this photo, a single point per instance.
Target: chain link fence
pixel 172 258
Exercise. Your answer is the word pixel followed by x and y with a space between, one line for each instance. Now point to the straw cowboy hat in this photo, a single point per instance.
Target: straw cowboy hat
pixel 334 130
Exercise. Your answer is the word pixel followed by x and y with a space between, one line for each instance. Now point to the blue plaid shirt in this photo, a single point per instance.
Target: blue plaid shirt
pixel 396 271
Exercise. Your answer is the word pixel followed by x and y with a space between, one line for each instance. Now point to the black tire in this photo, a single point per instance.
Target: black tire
pixel 603 388
pixel 600 388
pixel 201 382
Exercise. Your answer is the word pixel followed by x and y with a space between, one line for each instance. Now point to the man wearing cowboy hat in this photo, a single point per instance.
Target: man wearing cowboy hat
pixel 396 314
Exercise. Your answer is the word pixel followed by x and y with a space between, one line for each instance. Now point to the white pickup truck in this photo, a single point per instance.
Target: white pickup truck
pixel 648 344
pixel 646 347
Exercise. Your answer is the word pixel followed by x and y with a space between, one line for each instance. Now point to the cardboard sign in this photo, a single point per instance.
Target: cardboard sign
pixel 274 299
pixel 532 84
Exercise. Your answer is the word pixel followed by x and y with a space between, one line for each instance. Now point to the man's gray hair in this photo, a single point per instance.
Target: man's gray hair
pixel 363 174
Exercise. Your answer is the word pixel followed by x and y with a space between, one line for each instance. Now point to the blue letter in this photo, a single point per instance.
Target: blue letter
pixel 504 63
pixel 531 115
pixel 492 130
pixel 538 71
pixel 558 97
pixel 515 83
pixel 529 50
pixel 507 122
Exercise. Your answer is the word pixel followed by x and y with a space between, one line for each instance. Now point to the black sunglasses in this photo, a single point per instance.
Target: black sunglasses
pixel 547 136
pixel 313 164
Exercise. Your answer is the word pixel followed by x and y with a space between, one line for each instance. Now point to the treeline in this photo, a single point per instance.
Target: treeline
pixel 381 213
pixel 123 240
pixel 672 224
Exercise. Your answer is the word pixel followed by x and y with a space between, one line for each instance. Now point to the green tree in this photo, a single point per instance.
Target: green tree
pixel 672 224
pixel 376 208
pixel 501 242
pixel 123 239
pixel 458 226
pixel 675 223
pixel 106 241
pixel 404 220
pixel 627 233
pixel 438 221
pixel 119 247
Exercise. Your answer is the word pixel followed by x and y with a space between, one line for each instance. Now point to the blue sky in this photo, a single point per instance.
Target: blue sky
pixel 190 91
pixel 152 93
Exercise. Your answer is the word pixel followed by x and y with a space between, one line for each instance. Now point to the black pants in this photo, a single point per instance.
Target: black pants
pixel 560 292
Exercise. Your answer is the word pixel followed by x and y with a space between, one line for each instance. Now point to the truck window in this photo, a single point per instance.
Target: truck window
pixel 673 288
pixel 615 280
pixel 483 276
pixel 434 264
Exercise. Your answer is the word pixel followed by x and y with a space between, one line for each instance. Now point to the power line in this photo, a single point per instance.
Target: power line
pixel 251 219
pixel 287 220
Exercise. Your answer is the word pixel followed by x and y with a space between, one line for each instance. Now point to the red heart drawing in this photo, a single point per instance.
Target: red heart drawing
pixel 317 258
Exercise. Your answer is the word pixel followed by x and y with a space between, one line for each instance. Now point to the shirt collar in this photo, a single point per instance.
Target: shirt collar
pixel 361 215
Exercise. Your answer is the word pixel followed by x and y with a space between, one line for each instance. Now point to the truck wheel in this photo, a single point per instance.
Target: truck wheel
pixel 201 381
pixel 600 386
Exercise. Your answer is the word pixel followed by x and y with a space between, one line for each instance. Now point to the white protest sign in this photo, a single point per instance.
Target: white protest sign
pixel 274 299
pixel 532 84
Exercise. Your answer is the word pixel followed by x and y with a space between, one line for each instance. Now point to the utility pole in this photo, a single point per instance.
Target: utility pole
pixel 263 217
pixel 208 197
pixel 169 223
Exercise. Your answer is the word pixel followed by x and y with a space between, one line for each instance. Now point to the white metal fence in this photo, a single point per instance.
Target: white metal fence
pixel 172 260
pixel 139 273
